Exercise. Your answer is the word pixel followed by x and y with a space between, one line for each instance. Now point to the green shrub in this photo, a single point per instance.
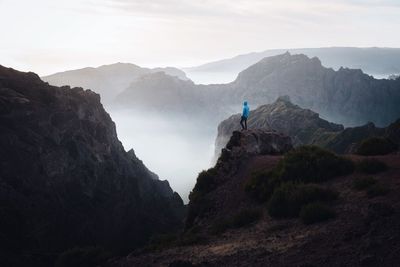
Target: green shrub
pixel 377 190
pixel 197 208
pixel 82 257
pixel 361 183
pixel 316 212
pixel 312 164
pixel 199 205
pixel 376 146
pixel 261 185
pixel 241 219
pixel 371 166
pixel 245 217
pixel 205 182
pixel 288 199
pixel 305 164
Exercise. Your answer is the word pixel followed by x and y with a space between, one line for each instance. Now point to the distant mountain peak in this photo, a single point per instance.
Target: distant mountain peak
pixel 379 62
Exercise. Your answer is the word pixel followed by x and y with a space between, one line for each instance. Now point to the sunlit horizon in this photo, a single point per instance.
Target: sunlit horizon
pixel 52 36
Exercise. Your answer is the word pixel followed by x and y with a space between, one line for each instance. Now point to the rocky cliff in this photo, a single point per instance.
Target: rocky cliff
pixel 65 179
pixel 305 127
pixel 302 125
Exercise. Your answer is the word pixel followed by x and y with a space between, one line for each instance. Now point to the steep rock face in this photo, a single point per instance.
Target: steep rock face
pixel 107 80
pixel 302 125
pixel 65 179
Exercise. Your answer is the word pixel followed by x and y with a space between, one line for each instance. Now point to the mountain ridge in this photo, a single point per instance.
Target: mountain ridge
pixel 305 127
pixel 372 60
pixel 346 96
pixel 107 80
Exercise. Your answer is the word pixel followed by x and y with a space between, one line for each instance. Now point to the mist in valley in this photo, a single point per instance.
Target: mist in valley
pixel 173 147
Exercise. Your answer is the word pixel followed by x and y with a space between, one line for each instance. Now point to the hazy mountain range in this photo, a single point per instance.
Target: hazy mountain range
pixel 346 96
pixel 376 61
pixel 107 80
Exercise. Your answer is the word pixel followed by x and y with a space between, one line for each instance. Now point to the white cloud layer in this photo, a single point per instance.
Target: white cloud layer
pixel 52 35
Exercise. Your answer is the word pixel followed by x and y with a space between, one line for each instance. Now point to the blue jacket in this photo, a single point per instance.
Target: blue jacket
pixel 246 110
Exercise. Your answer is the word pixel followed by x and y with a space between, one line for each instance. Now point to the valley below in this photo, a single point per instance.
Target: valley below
pixel 176 147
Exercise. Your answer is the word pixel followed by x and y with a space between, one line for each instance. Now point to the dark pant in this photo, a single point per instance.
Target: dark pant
pixel 244 119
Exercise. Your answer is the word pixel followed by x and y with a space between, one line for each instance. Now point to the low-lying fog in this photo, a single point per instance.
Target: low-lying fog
pixel 205 77
pixel 175 149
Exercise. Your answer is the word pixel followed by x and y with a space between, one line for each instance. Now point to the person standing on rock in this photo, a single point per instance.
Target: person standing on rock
pixel 245 115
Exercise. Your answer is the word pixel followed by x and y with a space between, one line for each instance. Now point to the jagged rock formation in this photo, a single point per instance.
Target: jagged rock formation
pixel 65 179
pixel 305 127
pixel 107 80
pixel 346 96
pixel 302 125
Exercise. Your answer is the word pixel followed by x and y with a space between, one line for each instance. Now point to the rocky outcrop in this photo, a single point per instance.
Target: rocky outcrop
pixel 205 202
pixel 302 125
pixel 305 127
pixel 65 178
pixel 258 142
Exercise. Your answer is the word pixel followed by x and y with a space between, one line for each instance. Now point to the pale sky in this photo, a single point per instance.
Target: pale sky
pixel 47 36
